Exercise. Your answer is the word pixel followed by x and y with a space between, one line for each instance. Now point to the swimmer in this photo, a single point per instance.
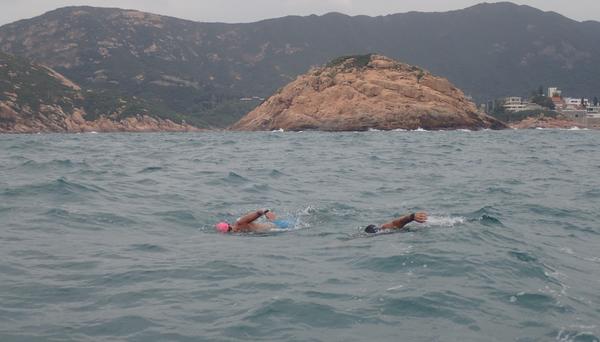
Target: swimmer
pixel 398 223
pixel 247 224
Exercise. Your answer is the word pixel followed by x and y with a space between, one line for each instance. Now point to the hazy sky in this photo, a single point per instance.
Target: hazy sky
pixel 252 10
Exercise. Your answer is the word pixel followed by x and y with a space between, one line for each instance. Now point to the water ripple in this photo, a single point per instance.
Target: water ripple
pixel 111 237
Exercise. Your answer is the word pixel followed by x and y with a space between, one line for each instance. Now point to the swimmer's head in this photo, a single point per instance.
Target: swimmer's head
pixel 223 227
pixel 371 229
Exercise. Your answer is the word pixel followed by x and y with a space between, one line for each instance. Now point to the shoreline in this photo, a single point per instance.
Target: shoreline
pixel 573 128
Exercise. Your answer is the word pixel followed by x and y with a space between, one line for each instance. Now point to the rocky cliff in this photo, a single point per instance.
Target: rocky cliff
pixel 35 98
pixel 367 92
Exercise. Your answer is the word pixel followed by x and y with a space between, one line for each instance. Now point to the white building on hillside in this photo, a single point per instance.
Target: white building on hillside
pixel 513 104
pixel 554 92
pixel 593 109
pixel 575 103
pixel 517 104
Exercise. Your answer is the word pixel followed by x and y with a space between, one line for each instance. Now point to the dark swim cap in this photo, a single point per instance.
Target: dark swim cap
pixel 371 229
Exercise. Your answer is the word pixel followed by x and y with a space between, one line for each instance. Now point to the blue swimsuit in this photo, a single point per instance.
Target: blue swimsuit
pixel 282 224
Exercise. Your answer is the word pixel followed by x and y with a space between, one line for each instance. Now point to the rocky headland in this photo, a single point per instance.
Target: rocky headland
pixel 358 93
pixel 54 120
pixel 35 98
pixel 542 121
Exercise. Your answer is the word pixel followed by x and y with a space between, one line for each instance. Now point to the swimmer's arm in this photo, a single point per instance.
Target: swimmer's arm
pixel 404 220
pixel 251 217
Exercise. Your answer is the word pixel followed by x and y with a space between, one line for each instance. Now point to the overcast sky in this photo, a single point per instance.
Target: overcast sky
pixel 234 11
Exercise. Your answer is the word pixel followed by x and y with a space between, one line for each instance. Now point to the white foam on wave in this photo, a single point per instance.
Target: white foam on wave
pixel 574 128
pixel 575 332
pixel 593 259
pixel 296 218
pixel 445 221
pixel 567 250
pixel 306 211
pixel 395 288
pixel 278 130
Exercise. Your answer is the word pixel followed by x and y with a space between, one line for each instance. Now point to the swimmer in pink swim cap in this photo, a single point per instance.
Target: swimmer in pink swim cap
pixel 246 223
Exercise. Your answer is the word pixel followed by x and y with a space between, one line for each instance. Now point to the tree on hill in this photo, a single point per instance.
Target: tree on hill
pixel 497 107
pixel 540 91
pixel 537 97
pixel 543 101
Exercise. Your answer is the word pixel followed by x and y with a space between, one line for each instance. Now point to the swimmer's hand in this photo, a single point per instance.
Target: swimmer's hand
pixel 421 217
pixel 270 216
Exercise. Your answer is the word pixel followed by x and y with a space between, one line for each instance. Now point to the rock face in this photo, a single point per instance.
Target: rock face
pixel 58 121
pixel 35 98
pixel 546 122
pixel 367 92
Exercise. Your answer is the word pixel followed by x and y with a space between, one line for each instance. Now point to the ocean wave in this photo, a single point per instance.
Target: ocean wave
pixel 309 313
pixel 276 173
pixel 147 247
pixel 523 256
pixel 486 216
pixel 88 220
pixel 151 169
pixel 591 194
pixel 537 302
pixel 435 264
pixel 58 187
pixel 508 251
pixel 118 327
pixel 435 305
pixel 235 178
pixel 210 271
pixel 577 333
pixel 257 188
pixel 65 163
pixel 182 217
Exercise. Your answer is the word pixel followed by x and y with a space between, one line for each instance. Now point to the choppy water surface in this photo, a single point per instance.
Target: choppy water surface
pixel 109 237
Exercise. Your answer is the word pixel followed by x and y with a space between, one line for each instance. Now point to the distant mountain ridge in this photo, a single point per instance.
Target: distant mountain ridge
pixel 197 72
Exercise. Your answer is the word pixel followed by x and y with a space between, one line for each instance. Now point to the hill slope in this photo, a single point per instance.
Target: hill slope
pixel 201 70
pixel 35 98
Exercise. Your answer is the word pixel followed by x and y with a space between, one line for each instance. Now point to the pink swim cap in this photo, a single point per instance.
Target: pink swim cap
pixel 223 227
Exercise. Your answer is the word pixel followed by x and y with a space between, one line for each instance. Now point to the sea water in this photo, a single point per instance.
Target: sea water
pixel 110 237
